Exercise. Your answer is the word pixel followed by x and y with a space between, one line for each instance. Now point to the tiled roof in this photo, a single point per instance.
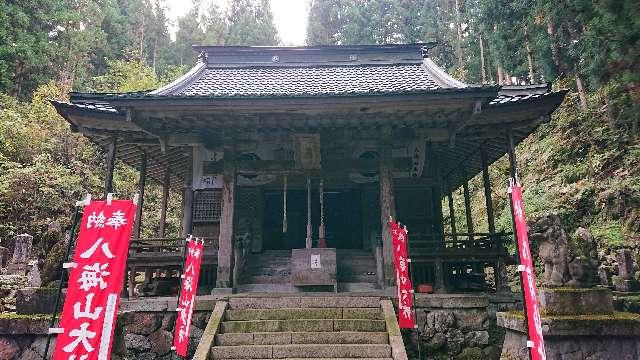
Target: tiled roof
pixel 318 80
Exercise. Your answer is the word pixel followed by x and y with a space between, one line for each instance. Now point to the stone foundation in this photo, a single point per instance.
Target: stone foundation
pixel 144 330
pixel 454 326
pixel 570 332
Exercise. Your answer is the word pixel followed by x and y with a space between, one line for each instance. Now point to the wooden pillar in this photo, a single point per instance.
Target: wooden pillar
pixel 308 243
pixel 225 239
pixel 165 201
pixel 499 270
pixel 387 204
pixel 467 208
pixel 452 217
pixel 511 150
pixel 439 266
pixel 487 191
pixel 111 163
pixel 187 205
pixel 137 228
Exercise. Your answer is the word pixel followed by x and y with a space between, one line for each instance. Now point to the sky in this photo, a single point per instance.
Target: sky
pixel 290 17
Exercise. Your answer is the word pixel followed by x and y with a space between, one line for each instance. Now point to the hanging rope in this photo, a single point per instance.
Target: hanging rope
pixel 284 205
pixel 308 240
pixel 321 242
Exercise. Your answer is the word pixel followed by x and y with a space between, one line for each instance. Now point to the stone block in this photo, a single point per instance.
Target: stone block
pixel 142 323
pixel 272 338
pixel 36 325
pixel 362 313
pixel 137 343
pixel 283 314
pixel 36 300
pixel 358 325
pixel 264 303
pixel 340 302
pixel 315 266
pixel 343 337
pixel 570 301
pixel 471 319
pixel 334 351
pixel 161 341
pixel 451 301
pixel 9 348
pixel 234 339
pixel 242 352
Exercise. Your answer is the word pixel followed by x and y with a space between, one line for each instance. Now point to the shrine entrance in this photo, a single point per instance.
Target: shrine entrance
pixel 343 219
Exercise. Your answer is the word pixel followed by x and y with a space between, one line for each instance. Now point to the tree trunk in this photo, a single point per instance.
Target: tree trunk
pixel 500 74
pixel 17 79
pixel 555 49
pixel 459 43
pixel 155 55
pixel 527 42
pixel 581 91
pixel 483 68
pixel 611 118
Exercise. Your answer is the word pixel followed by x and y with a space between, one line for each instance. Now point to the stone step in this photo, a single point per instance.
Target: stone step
pixel 369 286
pixel 304 351
pixel 283 338
pixel 303 313
pixel 331 359
pixel 302 325
pixel 304 302
pixel 265 288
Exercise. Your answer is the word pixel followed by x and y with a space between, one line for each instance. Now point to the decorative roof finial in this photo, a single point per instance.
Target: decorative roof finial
pixel 203 56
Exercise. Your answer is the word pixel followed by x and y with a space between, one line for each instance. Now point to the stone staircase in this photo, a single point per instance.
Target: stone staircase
pixel 305 327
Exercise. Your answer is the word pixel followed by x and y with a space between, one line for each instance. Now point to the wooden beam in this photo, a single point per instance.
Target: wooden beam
pixel 166 184
pixel 141 183
pixel 338 166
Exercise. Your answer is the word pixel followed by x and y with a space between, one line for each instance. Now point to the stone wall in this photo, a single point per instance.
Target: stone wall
pixel 455 326
pixel 144 330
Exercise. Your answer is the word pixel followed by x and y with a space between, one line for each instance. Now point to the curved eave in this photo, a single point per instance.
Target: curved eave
pixel 182 82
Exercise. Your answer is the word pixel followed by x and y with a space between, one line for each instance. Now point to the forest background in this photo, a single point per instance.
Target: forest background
pixel 584 164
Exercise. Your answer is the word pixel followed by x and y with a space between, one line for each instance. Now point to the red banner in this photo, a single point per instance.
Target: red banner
pixel 95 281
pixel 536 343
pixel 187 296
pixel 403 280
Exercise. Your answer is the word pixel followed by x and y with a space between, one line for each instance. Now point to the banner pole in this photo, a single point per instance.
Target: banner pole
pixel 413 296
pixel 72 234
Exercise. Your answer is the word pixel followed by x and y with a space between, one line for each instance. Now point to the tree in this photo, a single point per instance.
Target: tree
pixel 251 23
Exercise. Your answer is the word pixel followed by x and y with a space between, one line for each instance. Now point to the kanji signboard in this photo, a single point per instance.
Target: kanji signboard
pixel 95 281
pixel 536 342
pixel 187 296
pixel 405 301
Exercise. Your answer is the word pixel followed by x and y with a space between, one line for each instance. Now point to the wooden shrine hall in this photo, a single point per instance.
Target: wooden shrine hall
pixel 282 153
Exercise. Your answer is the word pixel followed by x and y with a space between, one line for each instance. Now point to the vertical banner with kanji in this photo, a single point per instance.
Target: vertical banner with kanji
pixel 95 281
pixel 187 296
pixel 405 301
pixel 535 342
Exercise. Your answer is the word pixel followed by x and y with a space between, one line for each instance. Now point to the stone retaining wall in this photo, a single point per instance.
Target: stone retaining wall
pixel 144 330
pixel 454 326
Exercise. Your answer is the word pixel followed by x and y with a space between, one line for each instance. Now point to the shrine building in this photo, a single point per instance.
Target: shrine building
pixel 290 161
